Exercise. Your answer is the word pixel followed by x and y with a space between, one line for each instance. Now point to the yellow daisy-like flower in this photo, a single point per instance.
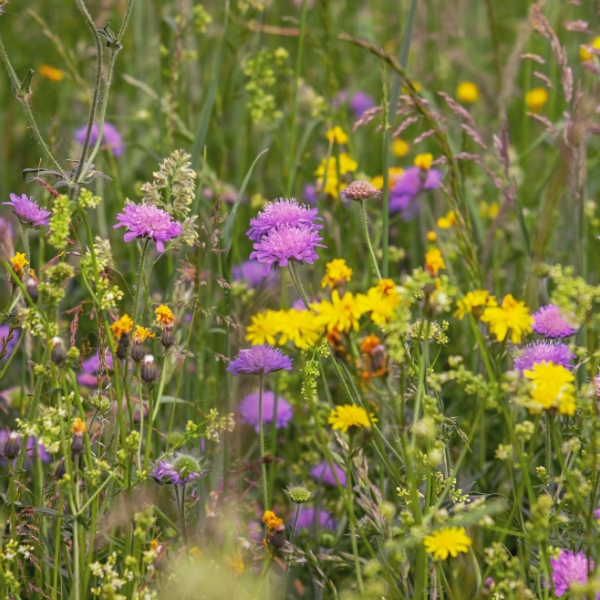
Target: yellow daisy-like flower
pixel 263 328
pixel 423 161
pixel 393 175
pixel 434 261
pixel 489 211
pixel 141 334
pixel 536 98
pixel 19 262
pixel 78 426
pixel 271 520
pixel 195 552
pixel 448 541
pixel 301 327
pixel 337 135
pixel 448 221
pixel 236 562
pixel 585 54
pixel 400 148
pixel 347 164
pixel 50 72
pixel 164 316
pixel 122 326
pixel 467 92
pixel 336 272
pixel 379 304
pixel 513 315
pixel 552 388
pixel 341 313
pixel 474 302
pixel 431 236
pixel 349 416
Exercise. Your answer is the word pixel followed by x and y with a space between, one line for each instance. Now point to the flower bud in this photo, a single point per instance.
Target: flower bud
pixel 148 371
pixel 60 470
pixel 58 354
pixel 276 537
pixel 137 351
pixel 298 494
pixel 167 338
pixel 32 286
pixel 360 190
pixel 123 345
pixel 13 445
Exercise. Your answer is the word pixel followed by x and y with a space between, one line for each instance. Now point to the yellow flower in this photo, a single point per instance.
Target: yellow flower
pixel 536 98
pixel 349 416
pixel 400 148
pixel 447 541
pixel 467 92
pixel 336 272
pixel 431 236
pixel 236 562
pixel 489 210
pixel 337 135
pixel 195 552
pixel 448 221
pixel 271 520
pixel 122 326
pixel 552 388
pixel 585 54
pixel 347 164
pixel 141 334
pixel 263 328
pixel 164 316
pixel 379 304
pixel 341 313
pixel 513 315
pixel 418 87
pixel 424 161
pixel 50 72
pixel 393 175
pixel 434 261
pixel 78 426
pixel 474 302
pixel 18 262
pixel 327 172
pixel 301 327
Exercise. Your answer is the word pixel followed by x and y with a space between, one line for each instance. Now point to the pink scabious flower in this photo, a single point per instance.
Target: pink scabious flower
pixel 570 568
pixel 111 138
pixel 28 212
pixel 550 322
pixel 284 244
pixel 248 410
pixel 260 360
pixel 282 212
pixel 148 221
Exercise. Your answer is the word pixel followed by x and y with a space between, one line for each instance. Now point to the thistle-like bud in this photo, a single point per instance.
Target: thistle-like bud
pixel 58 354
pixel 32 286
pixel 78 429
pixel 299 494
pixel 360 190
pixel 137 351
pixel 60 470
pixel 13 445
pixel 167 339
pixel 123 345
pixel 148 371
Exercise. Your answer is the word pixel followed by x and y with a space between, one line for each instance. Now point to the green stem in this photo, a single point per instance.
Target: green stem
pixel 289 562
pixel 136 299
pixel 261 434
pixel 351 515
pixel 363 206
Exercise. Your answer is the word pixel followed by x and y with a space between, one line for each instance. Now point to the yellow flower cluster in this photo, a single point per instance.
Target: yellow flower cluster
pixel 122 326
pixel 448 221
pixel 329 171
pixel 585 54
pixel 18 262
pixel 301 327
pixel 434 261
pixel 467 92
pixel 141 334
pixel 336 272
pixel 393 176
pixel 513 315
pixel 337 134
pixel 474 302
pixel 164 316
pixel 349 416
pixel 552 388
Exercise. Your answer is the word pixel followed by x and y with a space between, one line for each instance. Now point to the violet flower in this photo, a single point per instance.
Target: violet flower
pixel 323 473
pixel 309 518
pixel 248 410
pixel 280 213
pixel 182 470
pixel 409 185
pixel 250 271
pixel 4 329
pixel 111 138
pixel 310 194
pixel 550 322
pixel 360 103
pixel 260 360
pixel 92 367
pixel 148 221
pixel 28 212
pixel 570 568
pixel 538 352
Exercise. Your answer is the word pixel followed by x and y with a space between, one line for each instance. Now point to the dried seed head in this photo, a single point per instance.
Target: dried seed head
pixel 360 190
pixel 58 354
pixel 13 445
pixel 148 372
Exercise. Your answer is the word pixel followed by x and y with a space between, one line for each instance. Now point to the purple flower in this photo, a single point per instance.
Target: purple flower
pixel 260 360
pixel 550 322
pixel 111 138
pixel 570 568
pixel 310 194
pixel 309 518
pixel 250 271
pixel 248 410
pixel 282 212
pixel 148 221
pixel 323 473
pixel 360 103
pixel 284 244
pixel 183 469
pixel 92 367
pixel 10 346
pixel 409 185
pixel 538 352
pixel 36 449
pixel 164 472
pixel 28 212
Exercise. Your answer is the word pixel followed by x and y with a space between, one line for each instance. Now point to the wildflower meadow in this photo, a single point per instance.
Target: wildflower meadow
pixel 299 299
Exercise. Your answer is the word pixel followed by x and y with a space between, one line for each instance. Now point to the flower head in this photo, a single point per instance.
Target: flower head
pixel 28 212
pixel 286 243
pixel 309 518
pixel 111 138
pixel 148 221
pixel 467 92
pixel 141 334
pixel 434 261
pixel 381 305
pixel 264 327
pixel 536 98
pixel 248 410
pixel 301 327
pixel 360 103
pixel 513 315
pixel 586 50
pixel 260 360
pixel 349 416
pixel 341 313
pixel 552 388
pixel 183 469
pixel 122 326
pixel 360 190
pixel 447 541
pixel 78 426
pixel 474 302
pixel 299 494
pixel 337 135
pixel 164 316
pixel 550 322
pixel 400 148
pixel 448 221
pixel 409 185
pixel 19 262
pixel 323 473
pixel 570 568
pixel 51 73
pixel 271 520
pixel 282 212
pixel 250 271
pixel 423 161
pixel 538 352
pixel 337 273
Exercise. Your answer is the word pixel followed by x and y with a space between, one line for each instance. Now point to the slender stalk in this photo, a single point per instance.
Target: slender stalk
pixel 27 252
pixel 136 299
pixel 351 515
pixel 363 206
pixel 261 434
pixel 289 562
pixel 182 512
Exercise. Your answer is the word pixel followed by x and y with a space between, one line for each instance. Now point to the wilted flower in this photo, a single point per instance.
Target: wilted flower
pixel 28 212
pixel 550 322
pixel 538 352
pixel 111 138
pixel 58 353
pixel 148 370
pixel 448 541
pixel 248 410
pixel 259 360
pixel 280 213
pixel 360 190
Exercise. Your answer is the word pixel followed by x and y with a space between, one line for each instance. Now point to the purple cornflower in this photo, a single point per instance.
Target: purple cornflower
pixel 360 103
pixel 92 367
pixel 148 221
pixel 282 212
pixel 11 345
pixel 409 185
pixel 259 360
pixel 309 193
pixel 309 518
pixel 164 472
pixel 28 212
pixel 323 473
pixel 36 449
pixel 570 568
pixel 251 272
pixel 284 244
pixel 111 138
pixel 248 410
pixel 550 322
pixel 538 352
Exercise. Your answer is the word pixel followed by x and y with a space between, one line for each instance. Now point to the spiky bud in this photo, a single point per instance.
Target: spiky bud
pixel 298 494
pixel 360 190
